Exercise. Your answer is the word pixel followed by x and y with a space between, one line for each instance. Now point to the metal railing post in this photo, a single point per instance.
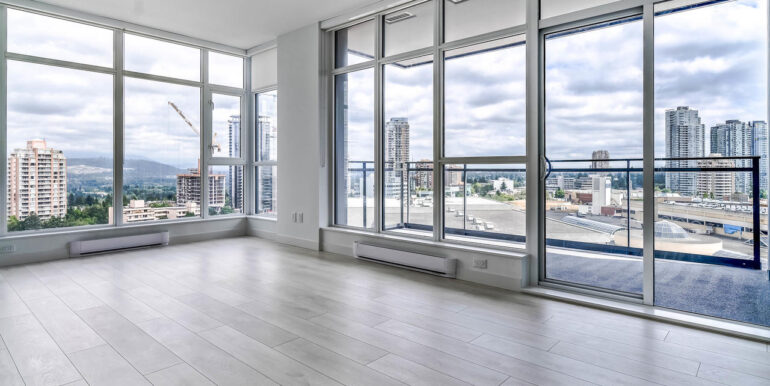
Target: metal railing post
pixel 756 225
pixel 363 190
pixel 628 204
pixel 408 193
pixel 465 194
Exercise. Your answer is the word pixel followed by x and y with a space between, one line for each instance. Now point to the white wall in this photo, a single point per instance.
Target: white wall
pixel 299 120
pixel 264 69
pixel 50 246
pixel 504 269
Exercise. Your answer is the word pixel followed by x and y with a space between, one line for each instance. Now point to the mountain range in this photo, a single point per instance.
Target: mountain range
pixel 98 171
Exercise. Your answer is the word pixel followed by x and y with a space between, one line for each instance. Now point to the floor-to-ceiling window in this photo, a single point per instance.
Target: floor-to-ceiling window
pixel 266 153
pixel 452 151
pixel 675 90
pixel 593 143
pixel 711 142
pixel 227 158
pixel 407 120
pixel 162 128
pixel 106 126
pixel 59 123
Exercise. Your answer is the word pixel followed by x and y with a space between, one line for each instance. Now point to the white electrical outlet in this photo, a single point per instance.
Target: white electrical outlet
pixel 6 249
pixel 301 217
pixel 480 263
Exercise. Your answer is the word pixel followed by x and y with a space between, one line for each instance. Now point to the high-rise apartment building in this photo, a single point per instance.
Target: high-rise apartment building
pixel 188 188
pixel 266 130
pixel 423 177
pixel 685 138
pixel 599 157
pixel 601 193
pixel 37 181
pixel 396 157
pixel 735 139
pixel 716 185
pixel 761 149
pixel 235 173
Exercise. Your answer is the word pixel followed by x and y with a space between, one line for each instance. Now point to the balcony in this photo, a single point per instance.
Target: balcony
pixel 706 251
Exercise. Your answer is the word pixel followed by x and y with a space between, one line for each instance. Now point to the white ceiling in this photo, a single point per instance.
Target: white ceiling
pixel 238 23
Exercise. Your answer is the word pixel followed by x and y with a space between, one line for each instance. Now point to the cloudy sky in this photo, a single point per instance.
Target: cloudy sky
pixel 712 59
pixel 73 109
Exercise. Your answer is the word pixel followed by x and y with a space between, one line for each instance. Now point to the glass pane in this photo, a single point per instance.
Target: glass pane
pixel 354 144
pixel 711 103
pixel 267 190
pixel 485 201
pixel 408 144
pixel 593 139
pixel 354 44
pixel 409 29
pixel 50 37
pixel 550 8
pixel 59 147
pixel 464 19
pixel 225 190
pixel 226 126
pixel 157 57
pixel 267 126
pixel 161 151
pixel 484 99
pixel 225 70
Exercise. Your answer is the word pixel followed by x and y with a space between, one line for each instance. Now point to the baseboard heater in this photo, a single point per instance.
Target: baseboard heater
pixel 435 265
pixel 92 247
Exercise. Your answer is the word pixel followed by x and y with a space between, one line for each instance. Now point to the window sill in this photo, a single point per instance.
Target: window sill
pixel 507 252
pixel 107 227
pixel 262 218
pixel 722 326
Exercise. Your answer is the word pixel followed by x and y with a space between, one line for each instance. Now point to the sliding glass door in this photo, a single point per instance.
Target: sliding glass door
pixel 694 238
pixel 593 146
pixel 711 148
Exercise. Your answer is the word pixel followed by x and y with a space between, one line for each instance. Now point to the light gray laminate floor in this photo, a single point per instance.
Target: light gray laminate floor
pixel 248 311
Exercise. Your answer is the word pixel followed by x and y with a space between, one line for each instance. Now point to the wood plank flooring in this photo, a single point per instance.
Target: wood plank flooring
pixel 247 311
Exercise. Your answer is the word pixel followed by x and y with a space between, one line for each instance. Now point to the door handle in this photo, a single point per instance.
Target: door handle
pixel 546 167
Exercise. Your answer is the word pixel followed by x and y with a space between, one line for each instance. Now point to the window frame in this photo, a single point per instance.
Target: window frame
pixel 534 30
pixel 436 51
pixel 119 30
pixel 256 163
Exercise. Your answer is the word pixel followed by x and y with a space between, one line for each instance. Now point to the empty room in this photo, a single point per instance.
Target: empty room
pixel 384 192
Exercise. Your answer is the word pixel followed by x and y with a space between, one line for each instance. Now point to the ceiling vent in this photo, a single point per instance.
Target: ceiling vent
pixel 396 17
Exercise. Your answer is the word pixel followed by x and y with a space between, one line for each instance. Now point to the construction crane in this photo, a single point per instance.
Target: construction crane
pixel 214 144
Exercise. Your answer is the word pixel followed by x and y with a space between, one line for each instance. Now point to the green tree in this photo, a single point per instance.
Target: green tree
pixel 13 224
pixel 559 193
pixel 31 222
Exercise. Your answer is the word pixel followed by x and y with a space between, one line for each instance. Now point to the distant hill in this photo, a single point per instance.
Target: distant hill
pixel 136 171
